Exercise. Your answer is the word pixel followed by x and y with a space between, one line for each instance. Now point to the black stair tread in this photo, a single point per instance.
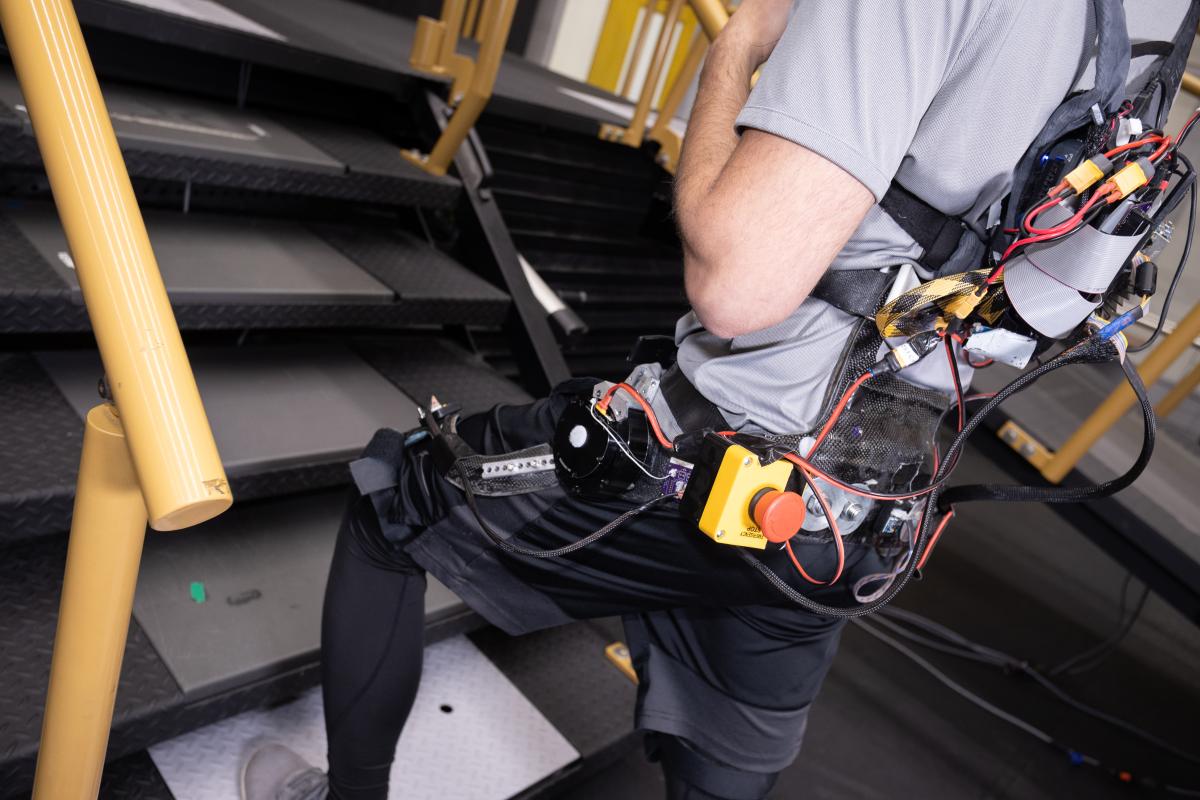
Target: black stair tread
pixel 616 297
pixel 150 704
pixel 335 403
pixel 39 456
pixel 536 149
pixel 245 35
pixel 341 40
pixel 173 137
pixel 534 234
pixel 440 368
pixel 225 272
pixel 417 271
pixel 153 120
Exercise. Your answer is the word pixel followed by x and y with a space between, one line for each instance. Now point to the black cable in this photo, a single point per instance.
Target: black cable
pixel 1087 350
pixel 1183 260
pixel 1075 756
pixel 977 652
pixel 579 544
pixel 1066 494
pixel 1093 656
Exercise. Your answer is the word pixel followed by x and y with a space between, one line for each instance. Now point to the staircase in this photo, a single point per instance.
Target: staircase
pixel 593 218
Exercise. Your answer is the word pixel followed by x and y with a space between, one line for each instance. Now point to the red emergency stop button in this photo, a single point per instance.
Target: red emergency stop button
pixel 778 515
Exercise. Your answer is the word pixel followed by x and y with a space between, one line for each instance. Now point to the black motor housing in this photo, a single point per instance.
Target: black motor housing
pixel 589 462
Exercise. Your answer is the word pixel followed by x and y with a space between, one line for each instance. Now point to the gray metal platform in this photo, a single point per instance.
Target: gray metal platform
pixel 350 40
pixel 181 125
pixel 270 407
pixel 262 571
pixel 225 260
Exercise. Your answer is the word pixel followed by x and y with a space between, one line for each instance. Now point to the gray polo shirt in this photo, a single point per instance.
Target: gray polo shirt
pixel 944 96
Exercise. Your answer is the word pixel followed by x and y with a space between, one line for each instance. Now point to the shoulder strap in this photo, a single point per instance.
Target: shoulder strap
pixel 936 233
pixel 1175 57
pixel 1112 68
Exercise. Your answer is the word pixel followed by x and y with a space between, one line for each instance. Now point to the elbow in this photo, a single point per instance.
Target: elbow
pixel 719 308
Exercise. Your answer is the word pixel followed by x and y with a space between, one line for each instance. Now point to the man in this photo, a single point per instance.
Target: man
pixel 775 187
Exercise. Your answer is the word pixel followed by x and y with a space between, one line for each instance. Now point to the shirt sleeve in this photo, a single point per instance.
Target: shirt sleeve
pixel 851 80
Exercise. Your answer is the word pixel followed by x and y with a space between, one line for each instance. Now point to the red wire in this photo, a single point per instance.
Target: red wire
pixel 933 540
pixel 837 412
pixel 825 476
pixel 1049 233
pixel 1163 142
pixel 954 368
pixel 1038 211
pixel 602 406
pixel 838 544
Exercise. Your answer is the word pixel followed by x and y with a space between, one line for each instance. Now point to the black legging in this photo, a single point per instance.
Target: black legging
pixel 371 652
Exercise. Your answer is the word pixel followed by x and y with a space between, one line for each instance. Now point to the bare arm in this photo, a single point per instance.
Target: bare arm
pixel 761 217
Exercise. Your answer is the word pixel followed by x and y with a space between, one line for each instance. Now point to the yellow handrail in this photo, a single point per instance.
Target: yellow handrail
pixel 149 455
pixel 1121 400
pixel 712 16
pixel 495 22
pixel 435 47
pixel 1191 83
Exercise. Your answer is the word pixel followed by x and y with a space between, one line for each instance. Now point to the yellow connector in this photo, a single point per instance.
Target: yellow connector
pixel 1129 179
pixel 1087 174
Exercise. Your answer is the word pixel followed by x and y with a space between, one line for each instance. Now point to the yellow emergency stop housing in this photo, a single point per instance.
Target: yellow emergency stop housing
pixel 726 517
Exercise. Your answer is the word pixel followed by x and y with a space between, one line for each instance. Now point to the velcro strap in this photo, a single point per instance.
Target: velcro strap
pixel 936 233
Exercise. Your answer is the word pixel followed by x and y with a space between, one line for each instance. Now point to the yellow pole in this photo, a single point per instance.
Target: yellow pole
pixel 668 140
pixel 1191 83
pixel 169 439
pixel 107 530
pixel 452 18
pixel 637 126
pixel 712 16
pixel 471 26
pixel 639 41
pixel 1121 400
pixel 495 22
pixel 166 469
pixel 1179 393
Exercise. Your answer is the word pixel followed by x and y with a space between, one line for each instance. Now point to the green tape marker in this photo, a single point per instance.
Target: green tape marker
pixel 198 593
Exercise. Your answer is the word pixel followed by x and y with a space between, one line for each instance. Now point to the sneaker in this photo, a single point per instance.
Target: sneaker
pixel 274 772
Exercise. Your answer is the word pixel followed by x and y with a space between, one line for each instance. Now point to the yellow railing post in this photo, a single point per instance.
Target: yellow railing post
pixel 495 23
pixel 636 131
pixel 639 41
pixel 712 14
pixel 712 17
pixel 1121 400
pixel 1191 83
pixel 150 456
pixel 435 47
pixel 1178 393
pixel 669 142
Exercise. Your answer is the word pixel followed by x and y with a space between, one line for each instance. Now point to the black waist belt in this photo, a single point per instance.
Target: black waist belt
pixel 692 410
